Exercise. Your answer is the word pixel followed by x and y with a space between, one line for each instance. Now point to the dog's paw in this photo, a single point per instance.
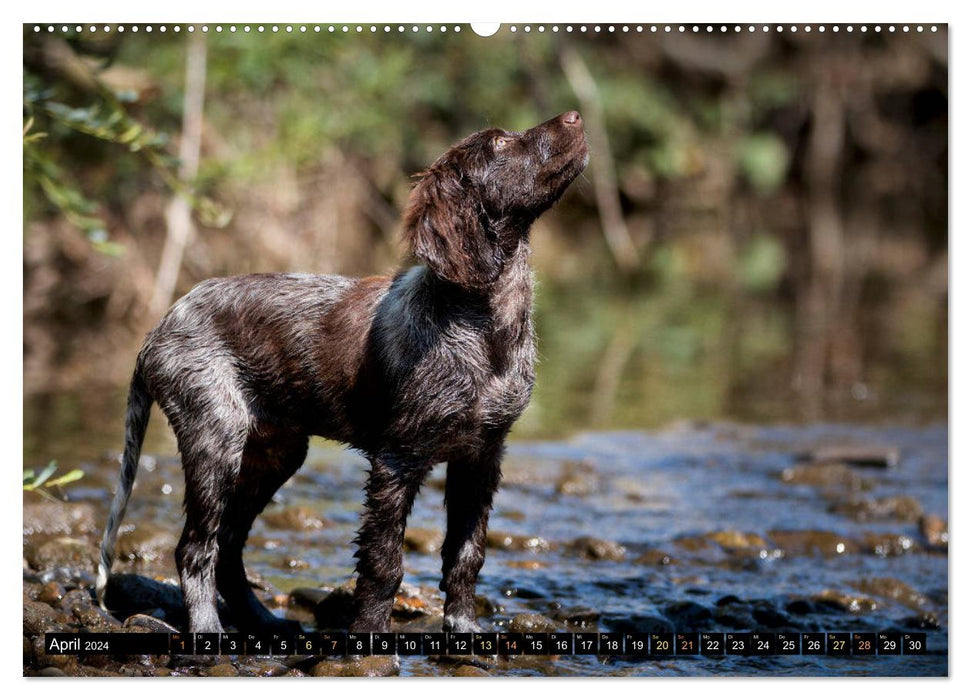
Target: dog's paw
pixel 460 624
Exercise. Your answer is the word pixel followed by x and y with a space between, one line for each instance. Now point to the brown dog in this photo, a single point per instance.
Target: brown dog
pixel 432 365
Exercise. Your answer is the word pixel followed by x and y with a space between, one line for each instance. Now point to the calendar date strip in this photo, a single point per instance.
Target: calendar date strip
pixel 691 644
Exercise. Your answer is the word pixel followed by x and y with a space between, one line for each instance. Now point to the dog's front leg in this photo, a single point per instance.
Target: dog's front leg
pixel 391 488
pixel 469 487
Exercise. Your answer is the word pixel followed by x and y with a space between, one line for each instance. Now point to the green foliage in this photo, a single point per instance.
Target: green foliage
pixel 41 482
pixel 762 264
pixel 763 160
pixel 49 154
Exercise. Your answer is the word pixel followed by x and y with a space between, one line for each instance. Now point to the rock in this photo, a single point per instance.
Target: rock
pixel 414 601
pixel 531 622
pixel 812 543
pixel 59 518
pixel 223 670
pixel 687 615
pixel 336 611
pixel 885 544
pixel 655 557
pixel 892 589
pixel 362 666
pixel 293 518
pixel 577 479
pixel 423 539
pixel 734 540
pixel 523 593
pixel 638 623
pixel 595 548
pixel 51 672
pixel 768 617
pixel 307 598
pixel 801 607
pixel 50 593
pixel 528 565
pixel 829 476
pixel 577 618
pixel 40 618
pixel 146 543
pixel 87 612
pixel 923 621
pixel 520 543
pixel 469 671
pixel 879 456
pixel 903 508
pixel 934 530
pixel 147 622
pixel 846 602
pixel 62 551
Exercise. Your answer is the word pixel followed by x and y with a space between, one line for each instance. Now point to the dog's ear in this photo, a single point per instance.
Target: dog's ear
pixel 444 227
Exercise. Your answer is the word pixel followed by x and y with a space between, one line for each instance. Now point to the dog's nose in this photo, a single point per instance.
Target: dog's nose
pixel 571 118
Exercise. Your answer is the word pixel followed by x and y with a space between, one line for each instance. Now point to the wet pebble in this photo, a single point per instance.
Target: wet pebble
pixel 736 541
pixel 532 622
pixel 828 476
pixel 51 672
pixel 923 621
pixel 469 671
pixel 649 624
pixel 812 543
pixel 846 602
pixel 336 609
pixel 424 540
pixel 50 593
pixel 40 618
pixel 892 589
pixel 150 623
pixel 884 544
pixel 577 479
pixel 521 543
pixel 59 518
pixel 576 618
pixel 528 565
pixel 223 670
pixel 687 615
pixel 307 598
pixel 879 456
pixel 146 543
pixel 364 666
pixel 293 518
pixel 62 551
pixel 905 508
pixel 596 548
pixel 934 530
pixel 655 557
pixel 767 616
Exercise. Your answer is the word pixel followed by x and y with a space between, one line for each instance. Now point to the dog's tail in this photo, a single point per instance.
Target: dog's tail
pixel 136 422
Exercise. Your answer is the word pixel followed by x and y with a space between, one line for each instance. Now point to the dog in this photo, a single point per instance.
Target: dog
pixel 432 365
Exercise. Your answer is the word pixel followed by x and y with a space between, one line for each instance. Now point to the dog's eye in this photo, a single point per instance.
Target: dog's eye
pixel 500 142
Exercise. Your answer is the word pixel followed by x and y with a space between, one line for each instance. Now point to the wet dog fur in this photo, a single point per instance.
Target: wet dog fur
pixel 432 365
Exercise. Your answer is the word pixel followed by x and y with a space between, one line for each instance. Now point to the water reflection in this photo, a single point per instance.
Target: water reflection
pixel 637 359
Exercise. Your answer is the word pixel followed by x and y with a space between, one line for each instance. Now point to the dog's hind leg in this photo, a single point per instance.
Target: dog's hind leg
pixel 212 451
pixel 268 462
pixel 469 487
pixel 390 492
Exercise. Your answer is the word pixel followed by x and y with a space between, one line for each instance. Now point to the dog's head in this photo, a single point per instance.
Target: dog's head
pixel 475 204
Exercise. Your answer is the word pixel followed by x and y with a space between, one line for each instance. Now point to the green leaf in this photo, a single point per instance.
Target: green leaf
pixel 45 474
pixel 71 476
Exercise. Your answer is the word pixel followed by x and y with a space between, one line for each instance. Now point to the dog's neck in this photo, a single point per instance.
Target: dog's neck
pixel 511 295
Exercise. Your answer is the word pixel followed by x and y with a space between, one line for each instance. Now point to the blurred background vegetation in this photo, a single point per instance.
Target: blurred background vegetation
pixel 761 234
